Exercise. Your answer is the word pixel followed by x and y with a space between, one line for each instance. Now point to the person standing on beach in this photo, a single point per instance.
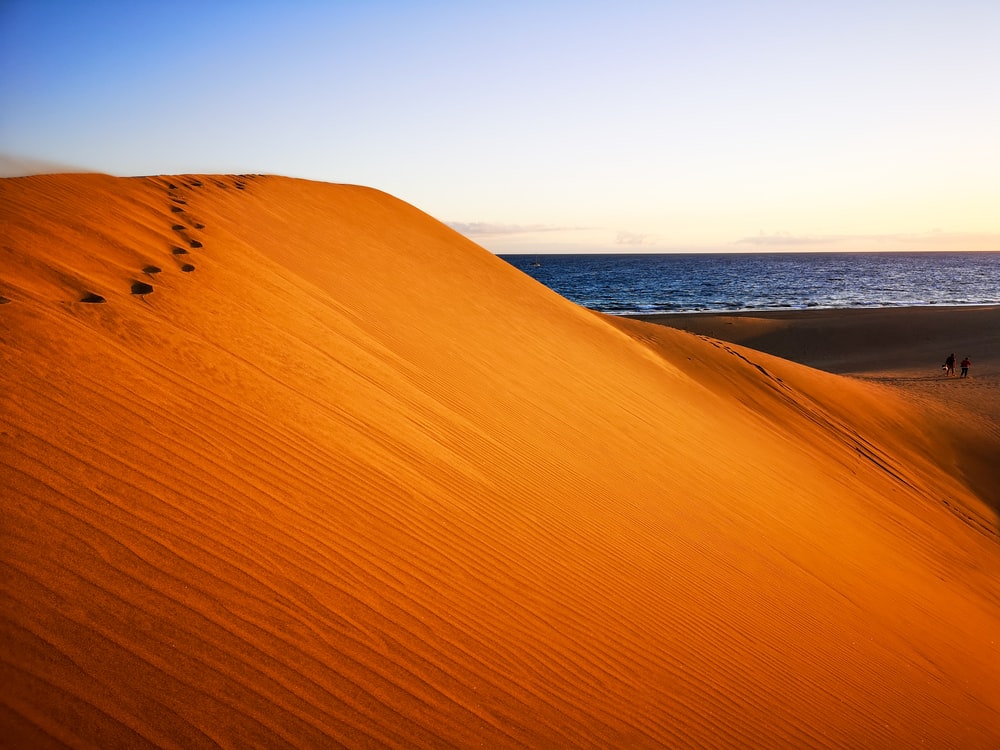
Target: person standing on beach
pixel 950 363
pixel 966 364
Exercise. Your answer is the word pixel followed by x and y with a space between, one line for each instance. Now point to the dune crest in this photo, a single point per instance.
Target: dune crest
pixel 319 471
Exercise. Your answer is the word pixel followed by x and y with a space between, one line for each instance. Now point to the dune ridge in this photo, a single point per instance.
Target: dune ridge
pixel 351 480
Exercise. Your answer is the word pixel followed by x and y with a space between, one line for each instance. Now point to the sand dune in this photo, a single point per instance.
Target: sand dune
pixel 289 464
pixel 900 347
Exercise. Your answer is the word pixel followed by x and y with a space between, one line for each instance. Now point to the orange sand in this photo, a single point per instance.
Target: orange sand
pixel 352 480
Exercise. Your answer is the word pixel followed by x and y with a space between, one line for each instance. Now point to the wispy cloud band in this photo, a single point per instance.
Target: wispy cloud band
pixel 936 238
pixel 487 229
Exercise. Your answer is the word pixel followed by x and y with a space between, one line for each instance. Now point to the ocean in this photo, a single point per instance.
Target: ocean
pixel 648 284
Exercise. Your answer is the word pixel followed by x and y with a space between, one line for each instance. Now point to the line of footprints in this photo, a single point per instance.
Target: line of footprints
pixel 142 288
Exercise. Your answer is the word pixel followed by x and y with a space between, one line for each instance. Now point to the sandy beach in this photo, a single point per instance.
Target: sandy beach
pixel 908 340
pixel 902 346
pixel 293 464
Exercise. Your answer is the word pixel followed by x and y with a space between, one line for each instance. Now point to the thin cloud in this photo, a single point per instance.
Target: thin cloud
pixel 784 239
pixel 486 229
pixel 634 238
pixel 937 239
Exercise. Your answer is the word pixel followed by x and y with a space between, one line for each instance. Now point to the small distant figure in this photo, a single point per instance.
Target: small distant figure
pixel 950 365
pixel 966 364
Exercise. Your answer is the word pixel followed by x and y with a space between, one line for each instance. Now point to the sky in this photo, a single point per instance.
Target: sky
pixel 543 126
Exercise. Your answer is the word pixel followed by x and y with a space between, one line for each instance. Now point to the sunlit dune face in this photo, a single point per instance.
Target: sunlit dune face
pixel 299 465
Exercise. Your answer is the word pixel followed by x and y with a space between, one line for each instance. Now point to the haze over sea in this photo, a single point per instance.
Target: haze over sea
pixel 648 284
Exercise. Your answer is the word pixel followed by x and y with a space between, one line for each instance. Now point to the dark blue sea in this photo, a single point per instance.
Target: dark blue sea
pixel 649 284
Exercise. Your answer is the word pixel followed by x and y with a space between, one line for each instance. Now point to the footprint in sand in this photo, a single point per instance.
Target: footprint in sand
pixel 177 209
pixel 141 288
pixel 195 243
pixel 92 299
pixel 151 270
pixel 4 301
pixel 187 268
pixel 179 251
pixel 177 227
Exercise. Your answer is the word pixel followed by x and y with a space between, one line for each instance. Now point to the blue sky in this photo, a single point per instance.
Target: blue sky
pixel 544 126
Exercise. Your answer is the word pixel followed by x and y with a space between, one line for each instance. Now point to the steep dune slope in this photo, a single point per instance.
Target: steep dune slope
pixel 319 471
